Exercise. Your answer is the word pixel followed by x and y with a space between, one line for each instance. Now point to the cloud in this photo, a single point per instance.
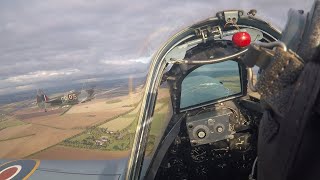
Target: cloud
pixel 41 75
pixel 89 80
pixel 55 41
pixel 25 87
pixel 120 62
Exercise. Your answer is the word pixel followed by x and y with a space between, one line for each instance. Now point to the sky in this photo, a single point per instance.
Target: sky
pixel 45 43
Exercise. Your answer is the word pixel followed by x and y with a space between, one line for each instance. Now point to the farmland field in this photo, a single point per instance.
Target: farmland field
pixel 27 131
pixel 103 128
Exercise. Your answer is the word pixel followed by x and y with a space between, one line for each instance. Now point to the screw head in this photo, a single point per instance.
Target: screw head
pixel 219 129
pixel 201 134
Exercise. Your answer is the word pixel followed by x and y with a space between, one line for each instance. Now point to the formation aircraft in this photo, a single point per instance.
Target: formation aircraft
pixel 70 98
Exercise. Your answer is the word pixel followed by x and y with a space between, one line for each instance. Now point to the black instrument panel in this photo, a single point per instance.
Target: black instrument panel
pixel 212 140
pixel 210 127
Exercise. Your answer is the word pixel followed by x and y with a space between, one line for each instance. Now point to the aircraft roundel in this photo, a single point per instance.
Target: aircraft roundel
pixel 70 96
pixel 18 170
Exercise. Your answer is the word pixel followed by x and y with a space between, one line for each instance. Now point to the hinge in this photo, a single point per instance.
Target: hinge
pixel 230 16
pixel 207 31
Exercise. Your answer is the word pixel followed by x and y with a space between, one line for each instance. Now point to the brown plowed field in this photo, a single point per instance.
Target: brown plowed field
pixel 29 139
pixel 44 130
pixel 77 120
pixel 34 114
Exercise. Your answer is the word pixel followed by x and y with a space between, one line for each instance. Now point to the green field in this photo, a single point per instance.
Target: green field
pixel 116 140
pixel 121 139
pixel 114 101
pixel 6 123
pixel 87 140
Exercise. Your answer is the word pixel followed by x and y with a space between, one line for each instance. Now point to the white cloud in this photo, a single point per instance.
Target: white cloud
pixel 25 87
pixel 41 75
pixel 47 41
pixel 16 89
pixel 143 60
pixel 89 80
pixel 115 62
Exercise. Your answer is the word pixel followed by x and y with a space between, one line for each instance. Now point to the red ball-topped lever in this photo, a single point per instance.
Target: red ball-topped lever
pixel 241 39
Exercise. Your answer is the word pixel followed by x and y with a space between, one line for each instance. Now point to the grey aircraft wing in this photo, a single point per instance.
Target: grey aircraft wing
pixel 75 170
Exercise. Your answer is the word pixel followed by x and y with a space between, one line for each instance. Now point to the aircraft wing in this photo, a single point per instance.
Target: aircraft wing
pixel 55 100
pixel 72 170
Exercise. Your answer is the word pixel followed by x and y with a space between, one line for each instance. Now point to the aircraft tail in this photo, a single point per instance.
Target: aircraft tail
pixel 46 98
pixel 42 97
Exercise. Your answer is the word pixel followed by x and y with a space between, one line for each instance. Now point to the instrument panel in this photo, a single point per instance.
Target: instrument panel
pixel 210 127
pixel 211 141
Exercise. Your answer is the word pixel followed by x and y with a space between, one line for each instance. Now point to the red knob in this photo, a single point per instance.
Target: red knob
pixel 241 39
